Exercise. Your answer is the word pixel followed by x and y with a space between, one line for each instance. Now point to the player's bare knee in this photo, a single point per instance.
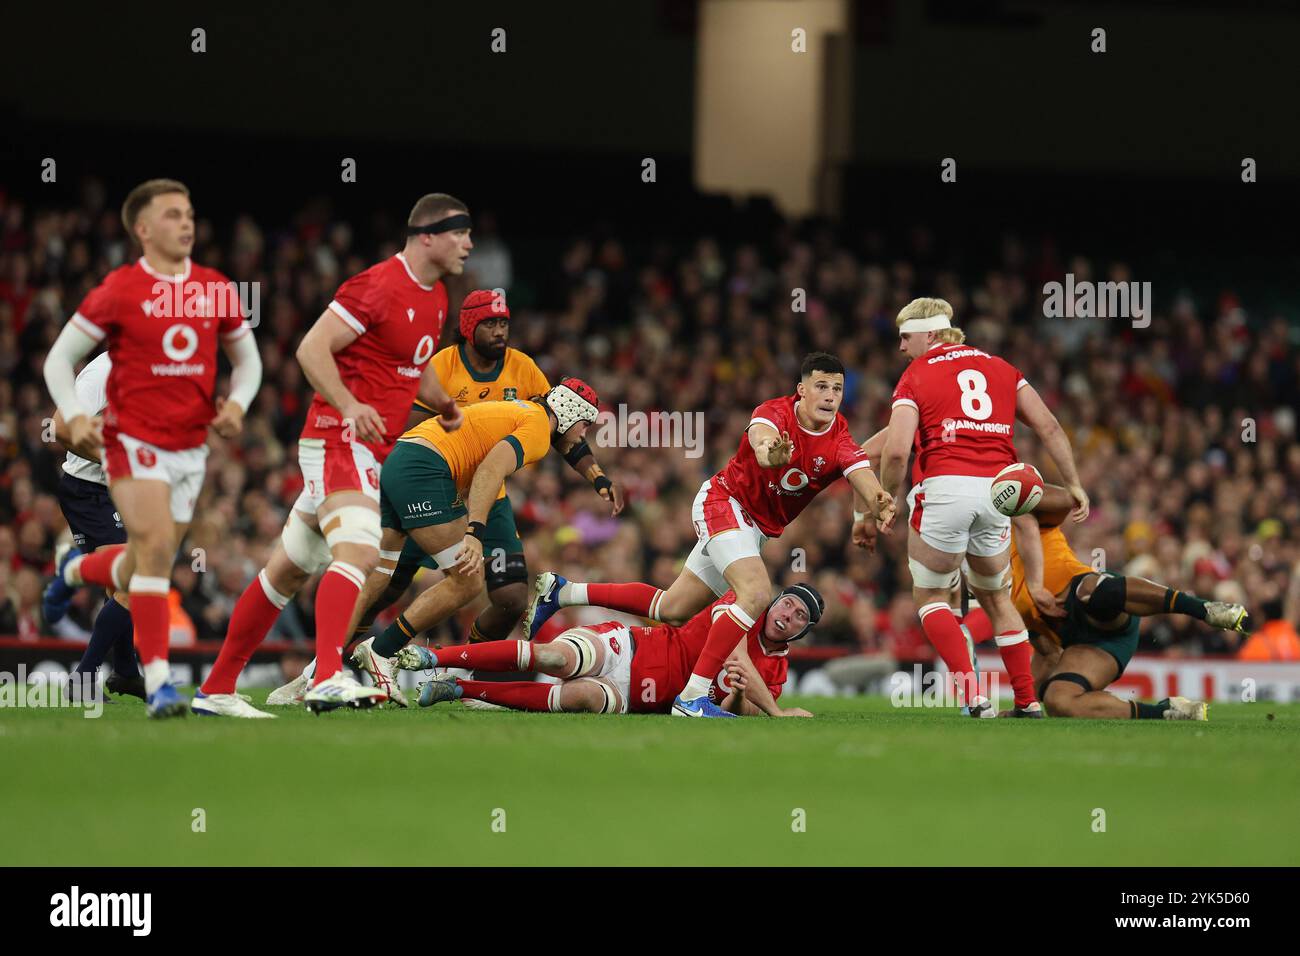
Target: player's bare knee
pixel 1062 699
pixel 672 612
pixel 362 558
pixel 752 597
pixel 582 697
pixel 285 576
pixel 555 659
pixel 591 696
pixel 154 554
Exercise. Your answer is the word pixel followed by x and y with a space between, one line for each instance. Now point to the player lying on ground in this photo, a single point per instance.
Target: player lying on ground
pixel 95 524
pixel 612 668
pixel 959 405
pixel 1085 623
pixel 771 478
pixel 438 489
pixel 480 369
pixel 161 318
pixel 367 356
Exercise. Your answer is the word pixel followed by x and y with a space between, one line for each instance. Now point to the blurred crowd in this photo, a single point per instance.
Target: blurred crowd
pixel 1185 431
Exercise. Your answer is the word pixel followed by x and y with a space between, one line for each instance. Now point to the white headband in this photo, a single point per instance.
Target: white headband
pixel 931 323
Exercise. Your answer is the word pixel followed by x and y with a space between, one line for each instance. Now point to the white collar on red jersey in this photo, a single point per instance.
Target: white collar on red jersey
pixel 809 431
pixel 165 278
pixel 407 266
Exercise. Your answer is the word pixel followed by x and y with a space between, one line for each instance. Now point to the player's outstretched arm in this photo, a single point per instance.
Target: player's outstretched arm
pixel 582 460
pixel 867 487
pixel 742 676
pixel 771 450
pixel 1031 410
pixel 315 354
pixel 861 535
pixel 903 422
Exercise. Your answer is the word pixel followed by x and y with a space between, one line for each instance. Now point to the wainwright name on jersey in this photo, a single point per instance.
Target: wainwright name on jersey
pixel 774 497
pixel 164 365
pixel 966 401
pixel 398 322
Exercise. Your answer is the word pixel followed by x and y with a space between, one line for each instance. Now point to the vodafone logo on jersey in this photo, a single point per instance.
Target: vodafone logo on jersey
pixel 794 480
pixel 180 342
pixel 423 352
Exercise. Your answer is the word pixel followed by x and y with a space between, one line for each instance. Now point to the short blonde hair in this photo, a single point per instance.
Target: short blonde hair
pixel 924 308
pixel 143 194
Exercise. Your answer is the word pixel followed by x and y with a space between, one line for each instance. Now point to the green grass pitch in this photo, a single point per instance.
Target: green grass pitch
pixel 876 786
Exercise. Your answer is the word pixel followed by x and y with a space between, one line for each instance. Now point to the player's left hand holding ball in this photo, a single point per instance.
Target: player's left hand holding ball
pixel 229 421
pixel 737 677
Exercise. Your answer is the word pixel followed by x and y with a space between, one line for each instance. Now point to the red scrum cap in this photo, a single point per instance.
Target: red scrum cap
pixel 479 306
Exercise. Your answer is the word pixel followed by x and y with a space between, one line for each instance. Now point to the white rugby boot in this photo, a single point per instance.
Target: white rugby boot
pixel 342 690
pixel 290 694
pixel 226 705
pixel 381 671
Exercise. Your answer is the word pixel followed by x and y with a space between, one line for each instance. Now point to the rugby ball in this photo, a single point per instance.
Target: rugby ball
pixel 1017 489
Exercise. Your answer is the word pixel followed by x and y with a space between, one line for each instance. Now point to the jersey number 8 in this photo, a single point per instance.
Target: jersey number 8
pixel 975 400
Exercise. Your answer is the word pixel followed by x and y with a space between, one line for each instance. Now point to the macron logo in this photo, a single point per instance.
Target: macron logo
pixel 103 909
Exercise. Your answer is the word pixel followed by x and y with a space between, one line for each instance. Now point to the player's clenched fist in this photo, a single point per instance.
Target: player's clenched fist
pixel 229 421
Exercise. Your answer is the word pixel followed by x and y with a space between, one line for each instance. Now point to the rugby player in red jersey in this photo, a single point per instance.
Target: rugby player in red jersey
pixel 161 318
pixel 367 357
pixel 959 405
pixel 612 668
pixel 794 446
